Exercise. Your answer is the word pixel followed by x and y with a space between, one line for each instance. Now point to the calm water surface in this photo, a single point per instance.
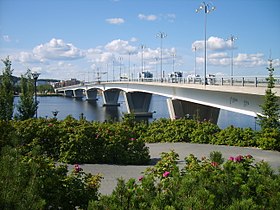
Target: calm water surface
pixel 94 111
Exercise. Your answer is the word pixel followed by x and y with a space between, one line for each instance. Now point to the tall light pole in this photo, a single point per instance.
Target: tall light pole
pixel 231 39
pixel 161 35
pixel 35 76
pixel 129 53
pixel 120 59
pixel 173 55
pixel 195 60
pixel 207 8
pixel 142 56
pixel 113 70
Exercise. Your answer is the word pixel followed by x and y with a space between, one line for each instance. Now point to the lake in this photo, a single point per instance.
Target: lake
pixel 95 111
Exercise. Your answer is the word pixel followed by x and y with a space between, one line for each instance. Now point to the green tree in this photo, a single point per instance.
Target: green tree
pixel 269 119
pixel 27 105
pixel 6 91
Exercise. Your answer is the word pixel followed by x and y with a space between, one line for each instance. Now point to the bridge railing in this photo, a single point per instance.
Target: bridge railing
pixel 260 81
pixel 223 81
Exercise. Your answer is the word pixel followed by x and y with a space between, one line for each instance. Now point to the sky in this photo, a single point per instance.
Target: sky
pixel 84 39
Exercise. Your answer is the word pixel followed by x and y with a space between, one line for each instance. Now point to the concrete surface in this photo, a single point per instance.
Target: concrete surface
pixel 112 172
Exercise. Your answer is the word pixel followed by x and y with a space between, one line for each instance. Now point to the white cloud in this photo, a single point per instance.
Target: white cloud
pixel 26 57
pixel 147 17
pixel 115 21
pixel 213 43
pixel 133 39
pixel 57 49
pixel 171 17
pixel 120 46
pixel 250 60
pixel 6 38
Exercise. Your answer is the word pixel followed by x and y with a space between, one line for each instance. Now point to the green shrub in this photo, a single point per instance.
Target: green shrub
pixel 233 136
pixel 269 139
pixel 33 181
pixel 201 184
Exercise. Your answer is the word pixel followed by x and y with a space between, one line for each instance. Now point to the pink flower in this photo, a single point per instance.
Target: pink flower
pixel 140 178
pixel 249 156
pixel 238 158
pixel 231 158
pixel 215 164
pixel 132 139
pixel 166 174
pixel 77 168
pixel 50 124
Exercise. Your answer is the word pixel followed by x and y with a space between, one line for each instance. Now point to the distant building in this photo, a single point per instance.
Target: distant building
pixel 65 83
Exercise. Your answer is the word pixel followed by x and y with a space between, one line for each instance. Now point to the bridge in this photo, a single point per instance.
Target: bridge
pixel 185 98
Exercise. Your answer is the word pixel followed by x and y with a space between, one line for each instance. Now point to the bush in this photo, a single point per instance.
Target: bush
pixel 36 182
pixel 269 139
pixel 201 184
pixel 233 136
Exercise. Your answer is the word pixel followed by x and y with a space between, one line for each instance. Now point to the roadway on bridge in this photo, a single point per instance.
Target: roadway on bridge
pixel 112 172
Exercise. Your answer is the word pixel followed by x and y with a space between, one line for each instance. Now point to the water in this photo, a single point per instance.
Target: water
pixel 95 111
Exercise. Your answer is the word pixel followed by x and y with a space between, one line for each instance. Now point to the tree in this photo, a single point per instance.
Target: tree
pixel 6 91
pixel 27 105
pixel 269 119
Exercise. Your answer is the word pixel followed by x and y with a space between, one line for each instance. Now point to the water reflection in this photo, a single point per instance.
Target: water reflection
pixel 95 111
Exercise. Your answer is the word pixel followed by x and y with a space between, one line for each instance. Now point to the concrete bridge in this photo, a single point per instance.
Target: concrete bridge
pixel 184 98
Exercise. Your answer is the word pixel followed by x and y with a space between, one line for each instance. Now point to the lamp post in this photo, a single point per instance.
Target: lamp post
pixel 231 39
pixel 142 56
pixel 195 60
pixel 161 35
pixel 120 58
pixel 35 76
pixel 173 56
pixel 207 8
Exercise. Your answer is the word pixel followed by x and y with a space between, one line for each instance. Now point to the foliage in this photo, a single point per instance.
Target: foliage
pixel 47 88
pixel 80 141
pixel 27 105
pixel 269 139
pixel 6 92
pixel 233 136
pixel 35 182
pixel 270 117
pixel 201 184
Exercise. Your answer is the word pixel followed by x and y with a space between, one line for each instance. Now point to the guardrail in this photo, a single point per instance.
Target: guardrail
pixel 260 81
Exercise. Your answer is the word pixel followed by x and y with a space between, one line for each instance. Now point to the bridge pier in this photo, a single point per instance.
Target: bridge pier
pixel 111 97
pixel 179 109
pixel 91 95
pixel 138 103
pixel 79 93
pixel 68 93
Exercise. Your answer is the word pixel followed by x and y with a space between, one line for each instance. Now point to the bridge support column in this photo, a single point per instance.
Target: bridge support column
pixel 179 109
pixel 79 93
pixel 111 97
pixel 68 93
pixel 138 103
pixel 91 95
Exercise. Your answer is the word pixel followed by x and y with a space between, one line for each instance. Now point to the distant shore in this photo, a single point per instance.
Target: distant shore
pixel 44 94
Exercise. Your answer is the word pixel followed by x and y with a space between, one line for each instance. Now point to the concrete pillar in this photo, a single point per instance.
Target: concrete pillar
pixel 91 95
pixel 79 93
pixel 179 109
pixel 68 93
pixel 138 103
pixel 111 97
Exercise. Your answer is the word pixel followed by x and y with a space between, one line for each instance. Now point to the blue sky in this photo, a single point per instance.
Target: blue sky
pixel 65 39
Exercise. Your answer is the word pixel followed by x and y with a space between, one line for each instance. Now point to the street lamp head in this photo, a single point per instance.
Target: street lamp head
pixel 35 75
pixel 161 35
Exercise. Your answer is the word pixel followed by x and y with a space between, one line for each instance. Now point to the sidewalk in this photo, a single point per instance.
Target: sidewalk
pixel 112 172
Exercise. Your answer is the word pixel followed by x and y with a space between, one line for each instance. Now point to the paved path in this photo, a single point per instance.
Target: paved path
pixel 112 172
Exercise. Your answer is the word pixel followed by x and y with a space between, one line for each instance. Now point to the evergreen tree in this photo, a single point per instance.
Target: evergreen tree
pixel 269 119
pixel 27 105
pixel 6 91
